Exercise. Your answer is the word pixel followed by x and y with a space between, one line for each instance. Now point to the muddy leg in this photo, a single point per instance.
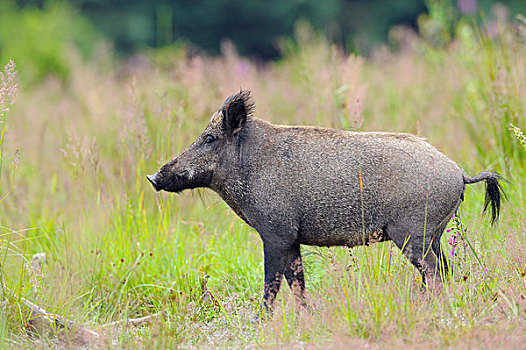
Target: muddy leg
pixel 278 262
pixel 418 249
pixel 444 264
pixel 295 276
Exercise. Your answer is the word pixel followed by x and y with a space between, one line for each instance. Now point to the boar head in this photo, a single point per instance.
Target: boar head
pixel 213 151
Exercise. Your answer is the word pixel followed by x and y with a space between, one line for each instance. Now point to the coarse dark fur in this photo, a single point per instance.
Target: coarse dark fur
pixel 325 187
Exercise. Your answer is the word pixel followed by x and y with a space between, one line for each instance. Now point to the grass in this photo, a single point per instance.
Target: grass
pixel 74 163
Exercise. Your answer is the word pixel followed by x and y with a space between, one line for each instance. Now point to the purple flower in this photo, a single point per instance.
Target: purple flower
pixel 453 243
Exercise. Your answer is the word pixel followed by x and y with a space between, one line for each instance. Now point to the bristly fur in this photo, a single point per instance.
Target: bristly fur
pixel 244 98
pixel 494 191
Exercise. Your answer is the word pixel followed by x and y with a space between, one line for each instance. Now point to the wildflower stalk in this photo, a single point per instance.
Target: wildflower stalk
pixel 8 91
pixel 519 135
pixel 459 231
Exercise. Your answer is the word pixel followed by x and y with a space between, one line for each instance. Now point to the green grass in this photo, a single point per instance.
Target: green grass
pixel 73 176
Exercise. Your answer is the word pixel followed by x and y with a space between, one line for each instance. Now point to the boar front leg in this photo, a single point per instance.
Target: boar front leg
pixel 281 259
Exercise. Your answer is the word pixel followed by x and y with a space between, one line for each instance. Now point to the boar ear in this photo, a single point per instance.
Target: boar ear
pixel 236 109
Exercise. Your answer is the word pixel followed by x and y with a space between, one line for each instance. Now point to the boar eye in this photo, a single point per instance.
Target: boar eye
pixel 209 139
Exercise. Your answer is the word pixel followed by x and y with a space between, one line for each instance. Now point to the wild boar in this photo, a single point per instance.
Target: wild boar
pixel 325 187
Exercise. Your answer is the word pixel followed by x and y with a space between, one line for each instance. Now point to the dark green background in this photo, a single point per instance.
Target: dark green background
pixel 254 26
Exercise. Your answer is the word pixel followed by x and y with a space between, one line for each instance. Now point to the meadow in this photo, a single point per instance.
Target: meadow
pixel 75 156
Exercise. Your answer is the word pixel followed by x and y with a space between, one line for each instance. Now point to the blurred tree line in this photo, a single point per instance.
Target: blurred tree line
pixel 254 25
pixel 37 33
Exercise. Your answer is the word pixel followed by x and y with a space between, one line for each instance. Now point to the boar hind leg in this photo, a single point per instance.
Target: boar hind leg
pixel 279 259
pixel 295 277
pixel 419 250
pixel 443 262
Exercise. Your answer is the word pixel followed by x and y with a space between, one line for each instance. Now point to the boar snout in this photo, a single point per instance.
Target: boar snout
pixel 154 181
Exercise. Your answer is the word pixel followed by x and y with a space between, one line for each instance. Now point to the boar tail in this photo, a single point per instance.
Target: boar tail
pixel 494 191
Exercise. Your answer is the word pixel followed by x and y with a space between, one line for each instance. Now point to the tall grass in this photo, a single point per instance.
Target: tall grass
pixel 117 249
